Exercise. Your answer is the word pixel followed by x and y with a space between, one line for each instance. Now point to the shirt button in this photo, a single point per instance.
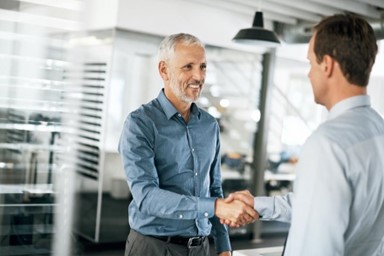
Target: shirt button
pixel 206 214
pixel 179 115
pixel 195 173
pixel 181 216
pixel 193 150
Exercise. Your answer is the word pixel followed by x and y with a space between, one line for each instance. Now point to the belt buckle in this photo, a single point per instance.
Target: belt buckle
pixel 191 240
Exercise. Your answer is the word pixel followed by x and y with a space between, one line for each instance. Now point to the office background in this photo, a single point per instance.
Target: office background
pixel 71 71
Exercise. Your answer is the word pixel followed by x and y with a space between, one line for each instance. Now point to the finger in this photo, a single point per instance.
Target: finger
pixel 233 225
pixel 249 200
pixel 245 192
pixel 243 220
pixel 251 212
pixel 247 214
pixel 224 221
pixel 248 219
pixel 229 198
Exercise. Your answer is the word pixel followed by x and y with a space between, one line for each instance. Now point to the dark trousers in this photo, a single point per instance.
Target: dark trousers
pixel 140 245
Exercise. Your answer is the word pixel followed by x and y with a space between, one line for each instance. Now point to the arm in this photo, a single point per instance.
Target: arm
pixel 137 150
pixel 276 208
pixel 219 231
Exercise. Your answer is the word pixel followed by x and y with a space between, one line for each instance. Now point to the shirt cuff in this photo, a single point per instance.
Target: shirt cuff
pixel 206 207
pixel 264 206
pixel 223 244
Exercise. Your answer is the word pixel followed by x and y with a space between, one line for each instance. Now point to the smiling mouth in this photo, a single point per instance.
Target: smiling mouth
pixel 194 86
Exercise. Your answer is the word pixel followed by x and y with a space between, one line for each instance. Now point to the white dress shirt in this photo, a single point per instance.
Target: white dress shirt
pixel 338 203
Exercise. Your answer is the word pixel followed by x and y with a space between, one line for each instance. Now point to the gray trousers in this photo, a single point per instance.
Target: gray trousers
pixel 140 245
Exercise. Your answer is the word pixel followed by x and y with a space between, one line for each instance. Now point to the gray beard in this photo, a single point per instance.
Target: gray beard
pixel 179 94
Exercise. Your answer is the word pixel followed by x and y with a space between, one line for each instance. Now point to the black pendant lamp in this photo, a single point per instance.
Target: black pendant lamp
pixel 257 34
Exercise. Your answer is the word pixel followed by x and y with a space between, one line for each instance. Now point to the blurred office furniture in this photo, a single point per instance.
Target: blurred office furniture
pixel 235 177
pixel 278 180
pixel 267 251
pixel 280 173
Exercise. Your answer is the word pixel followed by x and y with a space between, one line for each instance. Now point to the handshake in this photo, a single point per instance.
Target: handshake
pixel 237 209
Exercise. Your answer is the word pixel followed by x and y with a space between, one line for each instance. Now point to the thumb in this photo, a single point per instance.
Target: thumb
pixel 229 198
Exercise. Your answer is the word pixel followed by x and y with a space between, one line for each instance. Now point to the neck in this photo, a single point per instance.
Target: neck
pixel 186 114
pixel 345 92
pixel 182 107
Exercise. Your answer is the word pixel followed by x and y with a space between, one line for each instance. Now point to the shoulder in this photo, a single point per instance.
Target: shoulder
pixel 146 112
pixel 352 127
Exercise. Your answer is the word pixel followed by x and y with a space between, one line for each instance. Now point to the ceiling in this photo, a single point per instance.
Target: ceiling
pixel 292 19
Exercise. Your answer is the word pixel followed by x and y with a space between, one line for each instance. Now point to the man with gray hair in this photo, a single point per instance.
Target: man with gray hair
pixel 170 150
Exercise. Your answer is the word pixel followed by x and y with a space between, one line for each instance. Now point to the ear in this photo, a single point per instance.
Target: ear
pixel 328 65
pixel 163 70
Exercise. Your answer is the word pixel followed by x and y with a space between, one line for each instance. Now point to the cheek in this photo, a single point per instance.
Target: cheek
pixel 310 77
pixel 313 74
pixel 310 73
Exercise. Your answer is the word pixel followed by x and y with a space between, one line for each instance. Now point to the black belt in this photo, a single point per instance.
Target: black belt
pixel 190 242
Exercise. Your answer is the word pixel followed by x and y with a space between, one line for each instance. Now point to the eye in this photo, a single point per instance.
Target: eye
pixel 203 66
pixel 187 67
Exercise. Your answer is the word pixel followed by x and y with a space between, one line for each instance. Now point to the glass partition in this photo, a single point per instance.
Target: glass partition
pixel 35 185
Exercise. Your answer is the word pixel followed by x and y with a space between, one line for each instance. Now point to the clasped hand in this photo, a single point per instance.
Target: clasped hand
pixel 237 209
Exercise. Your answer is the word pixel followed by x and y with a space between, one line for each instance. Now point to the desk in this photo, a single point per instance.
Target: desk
pixel 270 251
pixel 268 175
pixel 22 188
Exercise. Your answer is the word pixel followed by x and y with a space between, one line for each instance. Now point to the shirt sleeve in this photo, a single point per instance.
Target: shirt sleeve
pixel 274 208
pixel 321 202
pixel 219 231
pixel 136 147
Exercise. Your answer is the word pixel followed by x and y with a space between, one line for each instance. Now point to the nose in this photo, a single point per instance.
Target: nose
pixel 198 75
pixel 309 73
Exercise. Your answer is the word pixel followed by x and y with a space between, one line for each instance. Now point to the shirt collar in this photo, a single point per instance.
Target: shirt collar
pixel 170 110
pixel 349 103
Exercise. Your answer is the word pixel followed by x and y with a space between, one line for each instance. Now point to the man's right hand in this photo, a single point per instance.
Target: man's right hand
pixel 235 212
pixel 243 195
pixel 246 197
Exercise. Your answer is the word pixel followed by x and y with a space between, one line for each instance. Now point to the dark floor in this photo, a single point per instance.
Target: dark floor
pixel 112 227
pixel 31 232
pixel 238 243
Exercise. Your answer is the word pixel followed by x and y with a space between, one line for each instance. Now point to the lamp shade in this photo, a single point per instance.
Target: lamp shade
pixel 257 35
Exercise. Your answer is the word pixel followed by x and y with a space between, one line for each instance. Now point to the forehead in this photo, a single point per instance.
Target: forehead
pixel 189 53
pixel 311 45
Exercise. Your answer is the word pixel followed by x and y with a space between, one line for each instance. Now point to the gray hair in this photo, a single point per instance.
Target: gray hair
pixel 167 46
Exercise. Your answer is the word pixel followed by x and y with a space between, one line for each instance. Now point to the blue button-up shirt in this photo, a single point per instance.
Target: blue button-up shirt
pixel 173 171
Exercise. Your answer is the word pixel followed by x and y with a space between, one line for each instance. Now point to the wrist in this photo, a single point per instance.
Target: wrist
pixel 218 202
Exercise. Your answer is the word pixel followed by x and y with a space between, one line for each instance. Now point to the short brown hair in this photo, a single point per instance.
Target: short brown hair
pixel 350 40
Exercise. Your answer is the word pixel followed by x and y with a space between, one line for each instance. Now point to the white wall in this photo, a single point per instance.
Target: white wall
pixel 100 14
pixel 298 53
